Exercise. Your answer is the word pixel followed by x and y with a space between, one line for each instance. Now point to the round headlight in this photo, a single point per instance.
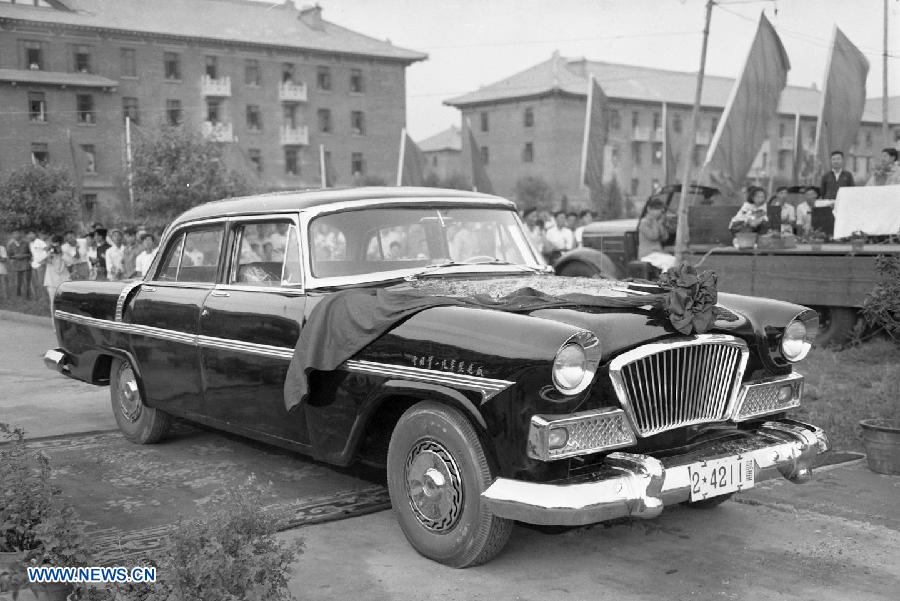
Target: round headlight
pixel 570 368
pixel 796 343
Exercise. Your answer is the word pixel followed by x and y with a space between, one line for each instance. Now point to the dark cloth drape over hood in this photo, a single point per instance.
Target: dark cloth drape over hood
pixel 344 323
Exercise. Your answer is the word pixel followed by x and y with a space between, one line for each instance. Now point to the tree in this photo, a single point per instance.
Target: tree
pixel 532 191
pixel 176 168
pixel 39 198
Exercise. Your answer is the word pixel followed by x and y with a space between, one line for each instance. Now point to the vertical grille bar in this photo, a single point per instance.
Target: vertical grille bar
pixel 680 384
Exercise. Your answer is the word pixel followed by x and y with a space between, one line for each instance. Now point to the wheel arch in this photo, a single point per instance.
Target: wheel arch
pixel 599 262
pixel 102 370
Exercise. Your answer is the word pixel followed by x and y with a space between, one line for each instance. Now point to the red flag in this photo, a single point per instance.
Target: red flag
pixel 843 98
pixel 411 171
pixel 480 180
pixel 78 164
pixel 752 106
pixel 595 134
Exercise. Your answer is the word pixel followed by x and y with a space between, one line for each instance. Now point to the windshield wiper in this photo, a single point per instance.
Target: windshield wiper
pixel 493 261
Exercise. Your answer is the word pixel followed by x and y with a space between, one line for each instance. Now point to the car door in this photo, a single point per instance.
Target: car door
pixel 165 315
pixel 249 326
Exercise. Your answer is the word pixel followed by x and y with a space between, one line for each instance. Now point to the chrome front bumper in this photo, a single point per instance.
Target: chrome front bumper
pixel 57 360
pixel 640 486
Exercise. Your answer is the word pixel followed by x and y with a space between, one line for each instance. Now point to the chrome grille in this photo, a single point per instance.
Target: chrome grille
pixel 679 383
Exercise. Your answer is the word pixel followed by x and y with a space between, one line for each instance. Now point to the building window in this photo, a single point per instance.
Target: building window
pixel 254 120
pixel 84 108
pixel 323 78
pixel 256 159
pixel 637 153
pixel 173 112
pixel 39 154
pixel 812 134
pixel 485 155
pixel 677 125
pixel 37 107
pixel 89 201
pixel 783 159
pixel 212 67
pixel 635 119
pixel 528 153
pixel 357 164
pixel 291 164
pixel 82 59
pixel 324 120
pixel 615 120
pixel 287 72
pixel 782 129
pixel 129 63
pixel 484 122
pixel 357 85
pixel 868 139
pixel 172 61
pixel 251 72
pixel 358 123
pixel 657 121
pixel 34 56
pixel 90 158
pixel 289 115
pixel 529 117
pixel 713 124
pixel 657 157
pixel 130 109
pixel 635 185
pixel 213 110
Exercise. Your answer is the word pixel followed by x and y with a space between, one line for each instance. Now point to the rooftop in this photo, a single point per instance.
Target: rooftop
pixel 276 202
pixel 449 139
pixel 631 82
pixel 245 21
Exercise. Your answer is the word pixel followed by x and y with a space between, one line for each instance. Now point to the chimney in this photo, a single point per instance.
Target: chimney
pixel 312 16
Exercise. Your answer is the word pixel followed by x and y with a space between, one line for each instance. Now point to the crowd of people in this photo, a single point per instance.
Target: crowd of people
pixel 555 234
pixel 34 263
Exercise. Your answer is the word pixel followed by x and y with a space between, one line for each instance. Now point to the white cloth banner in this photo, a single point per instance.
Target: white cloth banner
pixel 874 210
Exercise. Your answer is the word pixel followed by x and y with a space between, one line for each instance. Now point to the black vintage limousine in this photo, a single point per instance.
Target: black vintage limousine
pixel 554 413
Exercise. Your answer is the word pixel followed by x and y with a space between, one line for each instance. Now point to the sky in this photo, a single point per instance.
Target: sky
pixel 472 43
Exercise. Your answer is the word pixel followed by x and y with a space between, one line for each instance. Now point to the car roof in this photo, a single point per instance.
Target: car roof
pixel 289 201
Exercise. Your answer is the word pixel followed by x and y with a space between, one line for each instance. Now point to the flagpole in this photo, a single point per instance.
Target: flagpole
pixel 322 172
pixel 665 142
pixel 681 233
pixel 798 149
pixel 587 132
pixel 400 161
pixel 884 81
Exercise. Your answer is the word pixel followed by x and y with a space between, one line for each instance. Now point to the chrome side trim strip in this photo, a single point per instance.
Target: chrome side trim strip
pixel 264 350
pixel 120 302
pixel 488 387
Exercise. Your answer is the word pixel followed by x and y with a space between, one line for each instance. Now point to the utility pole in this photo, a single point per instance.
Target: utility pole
pixel 128 166
pixel 884 82
pixel 681 233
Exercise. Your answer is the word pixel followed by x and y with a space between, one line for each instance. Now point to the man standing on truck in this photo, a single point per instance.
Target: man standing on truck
pixel 835 179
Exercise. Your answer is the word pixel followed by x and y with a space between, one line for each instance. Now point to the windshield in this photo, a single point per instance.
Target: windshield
pixel 375 241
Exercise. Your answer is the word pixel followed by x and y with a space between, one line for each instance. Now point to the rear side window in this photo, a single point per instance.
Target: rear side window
pixel 193 257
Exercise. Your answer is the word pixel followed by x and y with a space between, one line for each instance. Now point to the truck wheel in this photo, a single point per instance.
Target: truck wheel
pixel 436 472
pixel 137 422
pixel 835 325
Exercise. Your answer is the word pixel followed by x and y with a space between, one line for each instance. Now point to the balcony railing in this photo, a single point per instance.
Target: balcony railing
pixel 640 134
pixel 294 136
pixel 703 138
pixel 215 87
pixel 289 91
pixel 218 131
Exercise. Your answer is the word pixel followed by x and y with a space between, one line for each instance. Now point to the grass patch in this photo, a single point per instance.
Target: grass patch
pixel 40 306
pixel 843 387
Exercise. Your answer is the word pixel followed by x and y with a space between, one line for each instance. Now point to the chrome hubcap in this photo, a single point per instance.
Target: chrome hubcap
pixel 129 394
pixel 434 486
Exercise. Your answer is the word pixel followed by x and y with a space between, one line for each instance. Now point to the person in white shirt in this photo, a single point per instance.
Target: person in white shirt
pixel 38 245
pixel 4 271
pixel 560 237
pixel 115 256
pixel 145 258
pixel 804 210
pixel 56 264
pixel 586 218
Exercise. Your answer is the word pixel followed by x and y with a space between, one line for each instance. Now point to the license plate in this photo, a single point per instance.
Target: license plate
pixel 720 477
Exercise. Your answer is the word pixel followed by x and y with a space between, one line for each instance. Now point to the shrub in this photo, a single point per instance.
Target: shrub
pixel 882 305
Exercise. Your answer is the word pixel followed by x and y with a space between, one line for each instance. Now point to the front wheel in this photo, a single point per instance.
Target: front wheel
pixel 137 422
pixel 436 472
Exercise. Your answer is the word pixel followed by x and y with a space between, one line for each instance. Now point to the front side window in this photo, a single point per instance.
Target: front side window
pixel 84 108
pixel 268 255
pixel 371 241
pixel 172 63
pixel 193 257
pixel 37 107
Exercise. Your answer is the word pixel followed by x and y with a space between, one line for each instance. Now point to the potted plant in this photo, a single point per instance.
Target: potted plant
pixel 857 240
pixel 816 239
pixel 744 236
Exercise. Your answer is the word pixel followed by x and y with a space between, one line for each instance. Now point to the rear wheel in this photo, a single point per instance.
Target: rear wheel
pixel 835 325
pixel 436 471
pixel 137 422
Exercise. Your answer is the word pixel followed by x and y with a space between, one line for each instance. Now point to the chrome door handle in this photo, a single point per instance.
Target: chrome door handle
pixel 148 288
pixel 204 312
pixel 219 293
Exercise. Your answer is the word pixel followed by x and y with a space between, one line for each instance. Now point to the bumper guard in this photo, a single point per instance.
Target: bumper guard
pixel 57 360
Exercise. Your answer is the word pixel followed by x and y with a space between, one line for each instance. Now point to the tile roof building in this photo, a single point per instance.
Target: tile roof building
pixel 271 80
pixel 443 153
pixel 532 123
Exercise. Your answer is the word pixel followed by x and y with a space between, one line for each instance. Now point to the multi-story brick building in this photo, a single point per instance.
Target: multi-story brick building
pixel 443 152
pixel 532 123
pixel 272 81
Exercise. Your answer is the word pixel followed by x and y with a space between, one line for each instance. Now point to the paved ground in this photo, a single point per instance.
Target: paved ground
pixel 836 538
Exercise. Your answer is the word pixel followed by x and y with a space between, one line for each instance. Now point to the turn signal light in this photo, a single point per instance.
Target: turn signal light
pixel 558 438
